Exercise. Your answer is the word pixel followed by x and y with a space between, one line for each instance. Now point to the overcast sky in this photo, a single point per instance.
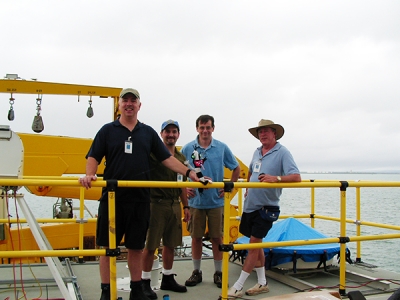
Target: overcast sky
pixel 327 71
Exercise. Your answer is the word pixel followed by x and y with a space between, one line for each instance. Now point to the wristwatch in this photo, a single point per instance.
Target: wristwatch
pixel 279 178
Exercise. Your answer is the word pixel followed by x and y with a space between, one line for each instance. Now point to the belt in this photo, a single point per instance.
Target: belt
pixel 170 200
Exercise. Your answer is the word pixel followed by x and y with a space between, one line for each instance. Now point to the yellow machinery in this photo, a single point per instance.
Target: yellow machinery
pixel 46 155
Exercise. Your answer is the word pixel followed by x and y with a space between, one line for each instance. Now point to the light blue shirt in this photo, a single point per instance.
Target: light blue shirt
pixel 277 162
pixel 218 156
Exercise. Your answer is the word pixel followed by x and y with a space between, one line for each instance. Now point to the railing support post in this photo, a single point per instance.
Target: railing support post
pixel 358 224
pixel 312 205
pixel 342 287
pixel 111 187
pixel 81 217
pixel 228 187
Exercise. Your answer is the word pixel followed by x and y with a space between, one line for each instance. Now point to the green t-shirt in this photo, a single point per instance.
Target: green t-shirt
pixel 161 173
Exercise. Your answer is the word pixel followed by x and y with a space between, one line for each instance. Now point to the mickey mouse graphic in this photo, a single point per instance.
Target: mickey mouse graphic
pixel 198 164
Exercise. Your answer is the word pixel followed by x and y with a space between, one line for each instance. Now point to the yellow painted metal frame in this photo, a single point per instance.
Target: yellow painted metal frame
pixel 238 185
pixel 46 155
pixel 51 88
pixel 13 86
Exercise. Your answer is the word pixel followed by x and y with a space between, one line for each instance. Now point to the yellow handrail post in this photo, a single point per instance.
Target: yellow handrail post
pixel 225 254
pixel 312 207
pixel 358 224
pixel 112 243
pixel 240 206
pixel 81 216
pixel 342 279
pixel 240 199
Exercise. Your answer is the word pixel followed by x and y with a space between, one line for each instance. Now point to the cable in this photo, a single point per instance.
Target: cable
pixel 19 226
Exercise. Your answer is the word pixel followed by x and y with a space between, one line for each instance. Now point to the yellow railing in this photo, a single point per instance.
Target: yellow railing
pixel 226 247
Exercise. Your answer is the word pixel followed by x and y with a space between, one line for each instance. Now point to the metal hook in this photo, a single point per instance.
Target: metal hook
pixel 37 125
pixel 89 112
pixel 11 111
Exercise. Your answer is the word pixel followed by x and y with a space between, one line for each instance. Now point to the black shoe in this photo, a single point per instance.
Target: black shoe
pixel 168 283
pixel 105 291
pixel 196 278
pixel 105 295
pixel 138 294
pixel 137 291
pixel 218 278
pixel 147 290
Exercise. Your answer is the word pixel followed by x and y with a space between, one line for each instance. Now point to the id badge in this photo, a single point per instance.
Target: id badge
pixel 257 167
pixel 179 177
pixel 128 147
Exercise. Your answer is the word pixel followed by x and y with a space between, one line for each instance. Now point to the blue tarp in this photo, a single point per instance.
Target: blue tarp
pixel 292 229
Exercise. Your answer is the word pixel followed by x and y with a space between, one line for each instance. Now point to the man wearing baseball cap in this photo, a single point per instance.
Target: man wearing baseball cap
pixel 166 216
pixel 126 144
pixel 131 91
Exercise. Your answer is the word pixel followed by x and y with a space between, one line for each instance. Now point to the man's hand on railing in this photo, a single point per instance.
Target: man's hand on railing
pixel 86 181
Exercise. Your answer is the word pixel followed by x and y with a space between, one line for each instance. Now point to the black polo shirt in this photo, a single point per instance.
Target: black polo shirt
pixel 109 142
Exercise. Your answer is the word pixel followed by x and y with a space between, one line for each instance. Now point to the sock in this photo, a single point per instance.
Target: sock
pixel 167 272
pixel 105 286
pixel 261 275
pixel 240 282
pixel 146 275
pixel 218 265
pixel 196 264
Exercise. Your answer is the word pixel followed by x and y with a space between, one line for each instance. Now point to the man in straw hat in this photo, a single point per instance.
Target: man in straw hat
pixel 272 163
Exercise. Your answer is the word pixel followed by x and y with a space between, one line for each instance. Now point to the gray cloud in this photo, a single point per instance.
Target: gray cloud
pixel 327 71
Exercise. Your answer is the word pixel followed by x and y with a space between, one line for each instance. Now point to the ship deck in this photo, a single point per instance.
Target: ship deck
pixel 38 282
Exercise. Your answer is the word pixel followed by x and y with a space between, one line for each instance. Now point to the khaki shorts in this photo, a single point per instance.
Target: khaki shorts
pixel 200 218
pixel 165 224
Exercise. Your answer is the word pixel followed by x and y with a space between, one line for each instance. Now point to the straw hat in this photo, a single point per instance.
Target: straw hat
pixel 268 123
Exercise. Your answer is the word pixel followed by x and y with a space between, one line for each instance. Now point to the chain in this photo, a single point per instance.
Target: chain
pixel 39 105
pixel 11 102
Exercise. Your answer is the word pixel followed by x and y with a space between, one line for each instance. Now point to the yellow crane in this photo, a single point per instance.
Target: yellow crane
pixel 47 155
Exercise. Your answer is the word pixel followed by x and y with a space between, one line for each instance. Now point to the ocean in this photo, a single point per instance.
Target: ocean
pixel 379 205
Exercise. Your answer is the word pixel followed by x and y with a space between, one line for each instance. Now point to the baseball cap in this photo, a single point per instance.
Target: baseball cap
pixel 129 90
pixel 170 122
